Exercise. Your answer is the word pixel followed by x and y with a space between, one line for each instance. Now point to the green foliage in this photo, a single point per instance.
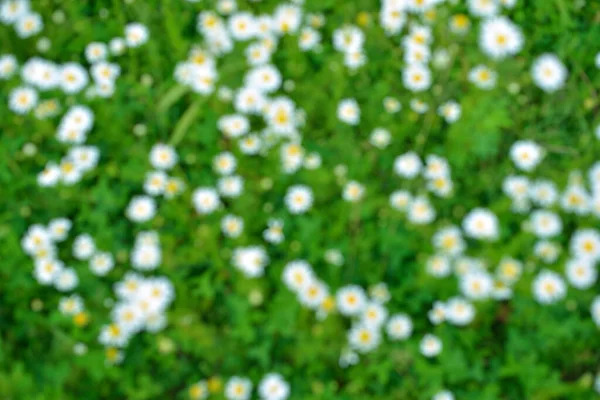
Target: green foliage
pixel 514 349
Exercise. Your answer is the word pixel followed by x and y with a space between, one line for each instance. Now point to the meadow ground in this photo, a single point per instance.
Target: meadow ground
pixel 313 199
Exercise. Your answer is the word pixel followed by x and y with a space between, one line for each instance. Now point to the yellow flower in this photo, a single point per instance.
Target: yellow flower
pixel 214 384
pixel 363 18
pixel 81 319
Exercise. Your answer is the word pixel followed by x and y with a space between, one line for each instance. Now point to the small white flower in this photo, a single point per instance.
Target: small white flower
pixel 548 287
pixel 351 300
pixel 549 73
pixel 348 112
pixel 206 200
pixel 250 260
pixel 526 154
pixel 299 199
pixel 141 209
pixel 163 156
pixel 273 387
pixel 581 273
pixel 136 34
pixel 102 263
pixel 22 100
pixel 399 327
pixel 481 224
pixel 238 388
pixel 353 191
pixel 364 339
pixel 430 345
pixel 408 165
pixel 83 247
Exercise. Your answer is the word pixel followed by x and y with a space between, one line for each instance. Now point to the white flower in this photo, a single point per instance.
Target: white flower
pixel 509 270
pixel 22 100
pixel 128 317
pixel 581 273
pixel 526 154
pixel 66 280
pixel 233 126
pixel 543 192
pixel 83 247
pixel 575 199
pixel 12 10
pixel 232 226
pixel 313 294
pixel 250 260
pixel 420 211
pixel 408 165
pixel 242 26
pixel 309 38
pixel 476 285
pixel 364 339
pixel 450 110
pixel 136 34
pixel 46 270
pixel 374 315
pixel 444 394
pixel 545 224
pixel 265 78
pixel 96 51
pixel 449 240
pixel 380 138
pixel 400 200
pixel 459 311
pixel 595 310
pixel 297 275
pixel 351 300
pixel 585 244
pixel 163 156
pixel 102 263
pixel 155 182
pixel 546 251
pixel 483 77
pixel 113 335
pixel 70 305
pixel 274 232
pixel 73 78
pixel 28 25
pixel 391 105
pixel 224 163
pixel 500 37
pixel 483 8
pixel 141 209
pixel 438 266
pixel 549 73
pixel 399 327
pixel 299 199
pixel 273 387
pixel 348 39
pixel 548 287
pixel 59 228
pixel 348 111
pixel 231 186
pixel 146 256
pixel 416 77
pixel 238 388
pixel 8 66
pixel 430 345
pixel 437 314
pixel 481 224
pixel 353 191
pixel 206 200
pixel 249 100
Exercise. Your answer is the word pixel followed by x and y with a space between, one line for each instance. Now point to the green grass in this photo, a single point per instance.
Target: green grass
pixel 516 349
